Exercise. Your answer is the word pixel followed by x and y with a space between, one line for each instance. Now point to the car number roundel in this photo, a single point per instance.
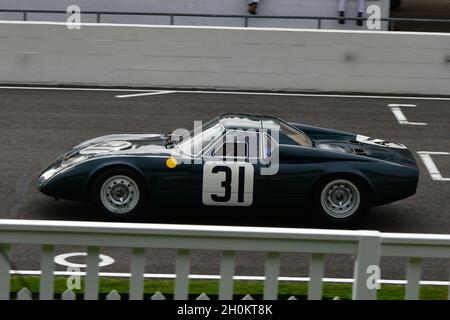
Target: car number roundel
pixel 227 183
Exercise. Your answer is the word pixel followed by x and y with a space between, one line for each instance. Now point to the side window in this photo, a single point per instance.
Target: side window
pixel 269 146
pixel 196 143
pixel 232 149
pixel 237 143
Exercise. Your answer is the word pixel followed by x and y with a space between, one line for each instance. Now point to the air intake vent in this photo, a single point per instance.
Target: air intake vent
pixel 355 142
pixel 359 152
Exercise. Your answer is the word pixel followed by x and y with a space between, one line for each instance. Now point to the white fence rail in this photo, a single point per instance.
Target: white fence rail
pixel 367 246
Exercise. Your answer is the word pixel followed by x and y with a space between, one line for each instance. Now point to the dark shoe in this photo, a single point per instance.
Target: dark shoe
pixel 359 22
pixel 342 15
pixel 252 8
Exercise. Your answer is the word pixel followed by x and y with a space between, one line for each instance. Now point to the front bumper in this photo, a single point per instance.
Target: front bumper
pixel 396 190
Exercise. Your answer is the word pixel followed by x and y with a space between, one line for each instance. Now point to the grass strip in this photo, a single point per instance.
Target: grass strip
pixel 211 288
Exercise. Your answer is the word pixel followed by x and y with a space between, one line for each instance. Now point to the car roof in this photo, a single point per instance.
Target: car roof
pixel 244 120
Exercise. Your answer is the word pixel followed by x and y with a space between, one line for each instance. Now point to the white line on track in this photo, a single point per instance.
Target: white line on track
pixel 431 166
pixel 144 94
pixel 319 95
pixel 400 116
pixel 217 277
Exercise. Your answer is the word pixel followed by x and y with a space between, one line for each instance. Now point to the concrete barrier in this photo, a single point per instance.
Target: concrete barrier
pixel 231 58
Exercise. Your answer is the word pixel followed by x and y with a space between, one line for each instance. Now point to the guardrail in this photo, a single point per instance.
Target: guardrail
pixel 367 246
pixel 98 14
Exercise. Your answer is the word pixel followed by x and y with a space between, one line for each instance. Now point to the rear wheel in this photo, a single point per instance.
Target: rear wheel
pixel 120 193
pixel 341 200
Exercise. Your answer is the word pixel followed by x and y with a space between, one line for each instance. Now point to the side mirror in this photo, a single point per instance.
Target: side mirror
pixel 175 138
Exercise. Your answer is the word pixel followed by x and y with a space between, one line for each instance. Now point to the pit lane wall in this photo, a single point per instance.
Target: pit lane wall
pixel 225 58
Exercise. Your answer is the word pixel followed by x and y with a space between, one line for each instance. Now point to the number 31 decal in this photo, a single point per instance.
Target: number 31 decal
pixel 227 184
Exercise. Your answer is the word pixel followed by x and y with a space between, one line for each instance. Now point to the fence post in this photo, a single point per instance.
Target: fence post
pixel 98 18
pixel 47 276
pixel 226 276
pixel 182 275
pixel 271 275
pixel 316 268
pixel 137 274
pixel 92 278
pixel 392 25
pixel 412 291
pixel 5 267
pixel 368 255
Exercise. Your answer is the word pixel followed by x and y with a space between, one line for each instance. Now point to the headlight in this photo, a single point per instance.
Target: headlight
pixel 47 175
pixel 73 160
pixel 66 163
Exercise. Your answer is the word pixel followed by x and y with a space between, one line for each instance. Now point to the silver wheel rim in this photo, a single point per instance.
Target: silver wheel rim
pixel 119 194
pixel 340 198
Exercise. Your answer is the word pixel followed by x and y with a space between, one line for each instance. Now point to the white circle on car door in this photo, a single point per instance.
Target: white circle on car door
pixel 227 183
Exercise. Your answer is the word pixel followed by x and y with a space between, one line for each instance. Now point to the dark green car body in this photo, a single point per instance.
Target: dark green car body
pixel 389 170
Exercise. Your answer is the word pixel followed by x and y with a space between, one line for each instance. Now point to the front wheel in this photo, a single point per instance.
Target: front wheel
pixel 119 193
pixel 341 200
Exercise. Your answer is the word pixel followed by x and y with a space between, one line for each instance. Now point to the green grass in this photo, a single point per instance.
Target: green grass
pixel 211 287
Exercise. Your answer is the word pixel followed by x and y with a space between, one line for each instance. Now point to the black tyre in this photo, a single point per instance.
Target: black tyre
pixel 119 192
pixel 341 200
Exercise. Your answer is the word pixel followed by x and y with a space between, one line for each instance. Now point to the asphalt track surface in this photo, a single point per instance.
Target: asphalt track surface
pixel 37 125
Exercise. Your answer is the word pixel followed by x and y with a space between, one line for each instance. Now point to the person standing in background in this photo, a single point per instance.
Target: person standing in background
pixel 343 6
pixel 253 6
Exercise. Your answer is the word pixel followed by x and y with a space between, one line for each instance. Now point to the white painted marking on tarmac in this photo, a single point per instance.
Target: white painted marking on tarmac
pixel 400 116
pixel 217 277
pixel 314 95
pixel 62 260
pixel 74 89
pixel 318 95
pixel 144 94
pixel 431 166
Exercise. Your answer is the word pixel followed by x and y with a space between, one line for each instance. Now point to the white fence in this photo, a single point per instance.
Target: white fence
pixel 224 58
pixel 367 246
